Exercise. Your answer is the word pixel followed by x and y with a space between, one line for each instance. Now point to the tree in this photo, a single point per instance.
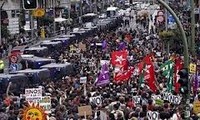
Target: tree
pixel 171 38
pixel 166 36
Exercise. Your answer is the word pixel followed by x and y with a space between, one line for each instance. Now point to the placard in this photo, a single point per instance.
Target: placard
pixel 33 92
pixel 83 80
pixel 45 102
pixel 136 99
pixel 159 102
pixel 152 115
pixel 192 68
pixel 175 99
pixel 85 110
pixel 196 107
pixel 33 99
pixel 102 62
pixel 96 100
pixel 82 46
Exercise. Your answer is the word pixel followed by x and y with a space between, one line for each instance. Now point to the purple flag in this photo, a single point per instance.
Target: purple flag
pixel 195 83
pixel 103 77
pixel 104 44
pixel 122 46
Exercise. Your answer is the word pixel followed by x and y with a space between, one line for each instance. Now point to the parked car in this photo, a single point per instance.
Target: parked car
pixel 18 83
pixel 31 61
pixel 37 51
pixel 36 76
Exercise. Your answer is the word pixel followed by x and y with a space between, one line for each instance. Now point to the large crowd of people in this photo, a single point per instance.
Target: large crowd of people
pixel 117 98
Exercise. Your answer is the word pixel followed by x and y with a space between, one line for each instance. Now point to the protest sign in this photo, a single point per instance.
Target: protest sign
pixel 33 99
pixel 45 102
pixel 33 95
pixel 196 107
pixel 136 99
pixel 83 80
pixel 159 102
pixel 82 46
pixel 102 62
pixel 33 92
pixel 85 110
pixel 96 100
pixel 192 68
pixel 152 115
pixel 175 99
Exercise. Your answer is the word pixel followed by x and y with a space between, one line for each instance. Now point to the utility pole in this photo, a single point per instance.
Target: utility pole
pixel 192 28
pixel 186 57
pixel 0 21
pixel 31 24
pixel 69 10
pixel 166 27
pixel 81 12
pixel 54 16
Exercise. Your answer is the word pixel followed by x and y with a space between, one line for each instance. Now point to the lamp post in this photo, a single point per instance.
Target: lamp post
pixel 0 20
pixel 186 55
pixel 54 16
pixel 192 28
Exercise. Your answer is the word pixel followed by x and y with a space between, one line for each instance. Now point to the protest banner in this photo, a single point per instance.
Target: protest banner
pixel 175 99
pixel 159 102
pixel 45 102
pixel 33 92
pixel 96 100
pixel 152 115
pixel 196 107
pixel 192 68
pixel 33 99
pixel 83 80
pixel 136 99
pixel 102 62
pixel 33 95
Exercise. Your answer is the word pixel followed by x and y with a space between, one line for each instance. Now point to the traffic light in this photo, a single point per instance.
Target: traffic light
pixel 30 4
pixel 183 81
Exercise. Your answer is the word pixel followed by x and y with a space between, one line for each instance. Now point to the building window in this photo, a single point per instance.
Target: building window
pixel 17 13
pixel 13 13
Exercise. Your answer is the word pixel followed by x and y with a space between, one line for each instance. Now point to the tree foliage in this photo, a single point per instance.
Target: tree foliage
pixel 165 35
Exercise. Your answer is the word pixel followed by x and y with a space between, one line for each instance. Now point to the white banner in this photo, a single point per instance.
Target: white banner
pixel 83 80
pixel 136 99
pixel 33 92
pixel 175 99
pixel 33 99
pixel 45 102
pixel 152 115
pixel 102 62
pixel 96 100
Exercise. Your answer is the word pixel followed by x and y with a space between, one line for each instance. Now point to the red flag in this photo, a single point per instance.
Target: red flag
pixel 177 67
pixel 119 58
pixel 149 73
pixel 124 75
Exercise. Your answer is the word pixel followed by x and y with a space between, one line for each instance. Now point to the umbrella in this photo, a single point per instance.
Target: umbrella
pixel 143 13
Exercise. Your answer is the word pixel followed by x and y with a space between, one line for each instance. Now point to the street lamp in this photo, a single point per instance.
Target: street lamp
pixel 186 55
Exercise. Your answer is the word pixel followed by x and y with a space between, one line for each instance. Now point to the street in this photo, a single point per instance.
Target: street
pixel 93 61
